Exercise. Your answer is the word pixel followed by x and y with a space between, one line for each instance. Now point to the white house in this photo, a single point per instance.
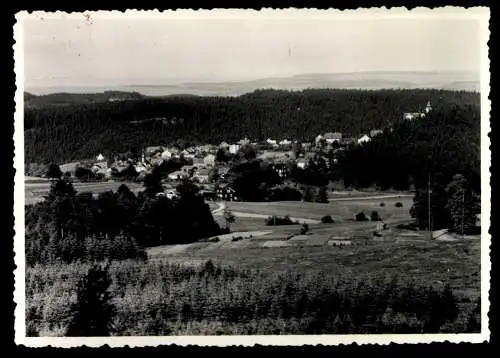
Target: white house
pixel 140 168
pixel 99 167
pixel 272 142
pixel 319 138
pixel 209 160
pixel 177 175
pixel 285 142
pixel 166 155
pixel 411 116
pixel 199 161
pixel 233 148
pixel 202 175
pixel 100 157
pixel 153 149
pixel 109 173
pixel 375 132
pixel 171 194
pixel 364 139
pixel 301 163
pixel 414 115
pixel 333 137
pixel 244 141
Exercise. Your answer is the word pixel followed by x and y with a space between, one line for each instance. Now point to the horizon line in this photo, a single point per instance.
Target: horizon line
pixel 176 82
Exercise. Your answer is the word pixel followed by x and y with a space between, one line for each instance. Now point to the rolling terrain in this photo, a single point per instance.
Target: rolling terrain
pixel 465 81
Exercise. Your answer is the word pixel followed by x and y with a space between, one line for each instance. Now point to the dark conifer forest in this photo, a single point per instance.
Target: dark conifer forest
pixel 65 127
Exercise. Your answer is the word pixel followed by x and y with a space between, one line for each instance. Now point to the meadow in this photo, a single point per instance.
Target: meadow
pixel 339 210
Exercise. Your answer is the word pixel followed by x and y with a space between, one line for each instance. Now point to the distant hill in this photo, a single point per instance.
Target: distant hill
pixel 64 98
pixel 466 81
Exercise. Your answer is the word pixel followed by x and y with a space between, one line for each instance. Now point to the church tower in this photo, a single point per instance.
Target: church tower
pixel 428 107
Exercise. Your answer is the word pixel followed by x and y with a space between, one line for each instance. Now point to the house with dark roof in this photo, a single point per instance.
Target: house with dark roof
pixel 333 137
pixel 363 139
pixel 280 168
pixel 202 175
pixel 222 171
pixel 226 193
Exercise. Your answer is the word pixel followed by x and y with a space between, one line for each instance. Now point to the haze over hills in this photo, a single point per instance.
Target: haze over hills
pixel 463 80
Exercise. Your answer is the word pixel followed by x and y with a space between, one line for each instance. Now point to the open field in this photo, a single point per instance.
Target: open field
pixel 35 192
pixel 395 252
pixel 427 262
pixel 339 211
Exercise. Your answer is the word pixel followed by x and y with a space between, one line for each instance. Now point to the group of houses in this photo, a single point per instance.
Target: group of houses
pixel 410 116
pixel 278 153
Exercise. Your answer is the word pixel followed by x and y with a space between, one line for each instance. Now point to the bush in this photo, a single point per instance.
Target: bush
pixel 361 216
pixel 327 219
pixel 304 229
pixel 398 204
pixel 382 204
pixel 277 220
pixel 374 216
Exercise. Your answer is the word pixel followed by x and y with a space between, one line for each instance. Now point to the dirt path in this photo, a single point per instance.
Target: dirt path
pixel 219 212
pixel 374 197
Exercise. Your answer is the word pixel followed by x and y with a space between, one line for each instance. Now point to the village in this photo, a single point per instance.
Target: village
pixel 207 164
pixel 203 162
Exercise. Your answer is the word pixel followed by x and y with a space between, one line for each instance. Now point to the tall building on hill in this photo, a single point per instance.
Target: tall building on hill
pixel 428 107
pixel 416 115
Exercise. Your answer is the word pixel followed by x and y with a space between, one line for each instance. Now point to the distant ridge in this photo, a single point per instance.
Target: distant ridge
pixel 450 80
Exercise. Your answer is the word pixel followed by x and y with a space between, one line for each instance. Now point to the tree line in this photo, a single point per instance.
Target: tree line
pixel 72 226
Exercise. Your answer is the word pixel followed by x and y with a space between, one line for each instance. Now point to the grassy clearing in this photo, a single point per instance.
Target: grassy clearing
pixel 424 260
pixel 339 211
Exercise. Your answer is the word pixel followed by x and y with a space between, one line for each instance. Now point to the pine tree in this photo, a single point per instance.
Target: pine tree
pixel 420 210
pixel 463 204
pixel 152 185
pixel 322 195
pixel 93 311
pixel 54 172
pixel 307 194
pixel 229 217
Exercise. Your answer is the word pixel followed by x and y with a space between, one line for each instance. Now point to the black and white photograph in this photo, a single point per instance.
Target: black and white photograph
pixel 252 177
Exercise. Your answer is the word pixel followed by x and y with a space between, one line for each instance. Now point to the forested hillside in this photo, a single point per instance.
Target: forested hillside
pixel 60 133
pixel 445 143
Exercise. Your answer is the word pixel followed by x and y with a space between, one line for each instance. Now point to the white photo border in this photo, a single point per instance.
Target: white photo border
pixel 481 13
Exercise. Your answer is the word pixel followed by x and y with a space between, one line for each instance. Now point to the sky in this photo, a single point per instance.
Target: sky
pixel 62 50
